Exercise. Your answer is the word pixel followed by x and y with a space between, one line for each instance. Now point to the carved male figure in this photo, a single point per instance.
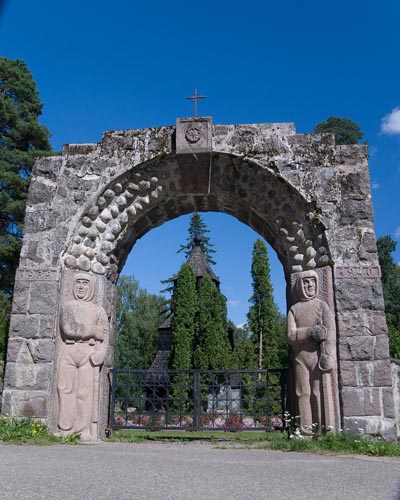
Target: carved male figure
pixel 311 333
pixel 84 332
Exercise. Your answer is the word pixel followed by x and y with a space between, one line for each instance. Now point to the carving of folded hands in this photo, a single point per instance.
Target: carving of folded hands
pixel 319 333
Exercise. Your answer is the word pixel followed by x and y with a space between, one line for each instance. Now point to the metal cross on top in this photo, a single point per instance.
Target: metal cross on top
pixel 195 98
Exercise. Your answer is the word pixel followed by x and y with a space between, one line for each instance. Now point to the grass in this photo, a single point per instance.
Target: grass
pixel 30 431
pixel 340 443
pixel 142 436
pixel 33 431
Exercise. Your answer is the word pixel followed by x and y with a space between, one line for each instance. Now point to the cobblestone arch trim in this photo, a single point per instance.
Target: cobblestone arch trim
pixel 139 200
pixel 308 197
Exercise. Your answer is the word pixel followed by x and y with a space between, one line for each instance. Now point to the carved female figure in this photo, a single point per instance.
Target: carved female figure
pixel 84 333
pixel 311 333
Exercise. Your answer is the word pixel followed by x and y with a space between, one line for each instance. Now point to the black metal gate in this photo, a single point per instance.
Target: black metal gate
pixel 198 399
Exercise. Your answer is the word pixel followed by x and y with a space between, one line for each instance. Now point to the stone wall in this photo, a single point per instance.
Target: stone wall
pixel 1 379
pixel 31 344
pixel 396 393
pixel 309 198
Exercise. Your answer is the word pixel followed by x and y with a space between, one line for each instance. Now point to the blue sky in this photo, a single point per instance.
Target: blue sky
pixel 109 66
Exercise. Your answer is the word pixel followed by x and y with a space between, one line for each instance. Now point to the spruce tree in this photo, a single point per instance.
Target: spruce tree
pixel 213 350
pixel 198 231
pixel 263 314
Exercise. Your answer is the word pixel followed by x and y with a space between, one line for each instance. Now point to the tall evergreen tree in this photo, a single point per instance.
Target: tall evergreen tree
pixel 198 231
pixel 263 314
pixel 137 321
pixel 22 139
pixel 183 320
pixel 213 350
pixel 391 291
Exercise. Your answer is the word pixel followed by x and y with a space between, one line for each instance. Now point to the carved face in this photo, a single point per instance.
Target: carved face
pixel 309 287
pixel 83 288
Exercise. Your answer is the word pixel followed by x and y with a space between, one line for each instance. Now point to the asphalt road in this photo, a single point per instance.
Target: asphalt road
pixel 193 471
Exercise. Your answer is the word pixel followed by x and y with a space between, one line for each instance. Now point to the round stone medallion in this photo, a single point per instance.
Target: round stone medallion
pixel 193 134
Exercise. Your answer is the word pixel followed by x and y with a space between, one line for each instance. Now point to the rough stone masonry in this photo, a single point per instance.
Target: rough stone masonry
pixel 308 197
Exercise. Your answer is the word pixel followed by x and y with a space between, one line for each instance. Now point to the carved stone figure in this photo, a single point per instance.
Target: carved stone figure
pixel 84 332
pixel 311 333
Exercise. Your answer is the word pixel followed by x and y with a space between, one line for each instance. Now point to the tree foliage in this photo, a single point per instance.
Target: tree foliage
pixel 183 320
pixel 244 348
pixel 22 139
pixel 198 230
pixel 213 350
pixel 346 131
pixel 265 321
pixel 391 291
pixel 137 321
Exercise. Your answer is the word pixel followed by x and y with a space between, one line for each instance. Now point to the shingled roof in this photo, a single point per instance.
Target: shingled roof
pixel 200 265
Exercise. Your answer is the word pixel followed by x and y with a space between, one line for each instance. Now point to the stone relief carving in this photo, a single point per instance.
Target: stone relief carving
pixel 101 226
pixel 193 134
pixel 304 245
pixel 24 274
pixel 312 335
pixel 358 271
pixel 84 332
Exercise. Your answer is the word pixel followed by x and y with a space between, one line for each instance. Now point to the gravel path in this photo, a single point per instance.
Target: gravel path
pixel 155 471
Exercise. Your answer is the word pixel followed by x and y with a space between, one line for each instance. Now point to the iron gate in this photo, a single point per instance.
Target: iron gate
pixel 198 399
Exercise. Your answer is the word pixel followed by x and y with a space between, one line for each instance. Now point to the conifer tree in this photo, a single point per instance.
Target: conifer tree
pixel 183 320
pixel 198 231
pixel 213 350
pixel 22 139
pixel 263 314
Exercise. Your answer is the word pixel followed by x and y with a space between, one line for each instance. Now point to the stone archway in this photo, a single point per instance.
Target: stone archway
pixel 309 198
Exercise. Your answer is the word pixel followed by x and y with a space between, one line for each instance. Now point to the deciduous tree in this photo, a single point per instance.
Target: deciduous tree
pixel 137 321
pixel 391 291
pixel 346 131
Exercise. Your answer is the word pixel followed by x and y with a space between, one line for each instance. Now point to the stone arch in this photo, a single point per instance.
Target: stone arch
pixel 150 194
pixel 308 197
